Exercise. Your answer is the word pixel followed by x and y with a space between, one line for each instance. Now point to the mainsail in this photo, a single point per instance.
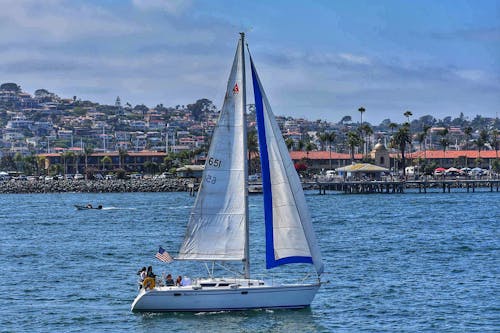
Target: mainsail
pixel 289 234
pixel 218 221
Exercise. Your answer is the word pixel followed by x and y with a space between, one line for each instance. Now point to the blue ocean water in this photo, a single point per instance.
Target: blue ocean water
pixel 396 263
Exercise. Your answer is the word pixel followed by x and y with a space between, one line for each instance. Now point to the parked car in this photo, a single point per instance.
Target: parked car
pixel 78 176
pixel 136 176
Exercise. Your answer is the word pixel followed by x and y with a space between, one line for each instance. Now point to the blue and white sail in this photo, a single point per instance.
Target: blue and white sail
pixel 289 234
pixel 217 226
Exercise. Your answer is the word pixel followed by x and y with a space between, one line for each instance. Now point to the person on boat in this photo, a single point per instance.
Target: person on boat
pixel 186 281
pixel 142 276
pixel 150 272
pixel 169 281
pixel 89 206
pixel 178 282
pixel 99 207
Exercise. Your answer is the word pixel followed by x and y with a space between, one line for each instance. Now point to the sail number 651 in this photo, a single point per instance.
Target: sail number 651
pixel 214 162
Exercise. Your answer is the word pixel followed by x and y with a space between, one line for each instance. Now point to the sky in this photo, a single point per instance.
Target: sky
pixel 319 59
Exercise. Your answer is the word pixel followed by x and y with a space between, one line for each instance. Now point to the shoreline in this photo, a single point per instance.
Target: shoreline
pixel 97 186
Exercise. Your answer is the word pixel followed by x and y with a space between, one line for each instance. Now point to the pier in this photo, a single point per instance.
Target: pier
pixel 444 185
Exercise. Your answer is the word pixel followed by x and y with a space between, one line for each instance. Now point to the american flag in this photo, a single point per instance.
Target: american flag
pixel 163 255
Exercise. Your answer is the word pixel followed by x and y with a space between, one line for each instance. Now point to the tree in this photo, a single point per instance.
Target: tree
pixel 353 141
pixel 392 127
pixel 122 155
pixel 494 141
pixel 289 143
pixel 199 107
pixel 253 149
pixel 67 156
pixel 468 135
pixel 141 108
pixel 151 167
pixel 106 160
pixel 400 140
pixel 10 86
pixel 330 138
pixel 444 141
pixel 423 136
pixel 309 147
pixel 345 119
pixel 408 114
pixel 301 145
pixel 481 141
pixel 366 130
pixel 87 151
pixel 361 111
pixel 30 166
pixel 18 159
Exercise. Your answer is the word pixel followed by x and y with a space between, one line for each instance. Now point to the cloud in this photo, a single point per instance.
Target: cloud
pixel 173 7
pixel 356 59
pixel 58 21
pixel 486 34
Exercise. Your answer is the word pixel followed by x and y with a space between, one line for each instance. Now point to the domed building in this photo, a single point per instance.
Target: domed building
pixel 380 155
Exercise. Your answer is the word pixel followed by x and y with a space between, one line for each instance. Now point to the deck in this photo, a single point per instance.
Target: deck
pixel 444 185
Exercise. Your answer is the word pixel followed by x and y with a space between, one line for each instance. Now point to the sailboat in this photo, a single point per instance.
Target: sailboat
pixel 218 227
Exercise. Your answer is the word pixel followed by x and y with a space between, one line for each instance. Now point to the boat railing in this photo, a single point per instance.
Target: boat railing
pixel 272 279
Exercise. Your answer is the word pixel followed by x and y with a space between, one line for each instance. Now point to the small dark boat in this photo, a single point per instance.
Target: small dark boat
pixel 82 207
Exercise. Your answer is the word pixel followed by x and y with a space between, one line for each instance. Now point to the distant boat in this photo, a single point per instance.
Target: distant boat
pixel 255 188
pixel 218 228
pixel 85 207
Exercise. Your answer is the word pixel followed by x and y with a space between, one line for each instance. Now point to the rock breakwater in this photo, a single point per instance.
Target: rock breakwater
pixel 97 186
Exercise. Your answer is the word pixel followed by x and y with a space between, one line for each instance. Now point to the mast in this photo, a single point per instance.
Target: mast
pixel 245 167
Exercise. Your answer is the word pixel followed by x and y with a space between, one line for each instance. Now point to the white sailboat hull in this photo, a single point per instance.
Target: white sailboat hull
pixel 230 298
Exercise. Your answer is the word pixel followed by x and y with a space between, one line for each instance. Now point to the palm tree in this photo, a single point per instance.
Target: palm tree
pixel 289 143
pixel 67 155
pixel 425 132
pixel 408 114
pixel 18 159
pixel 253 147
pixel 353 141
pixel 301 145
pixel 494 141
pixel 468 135
pixel 41 162
pixel 87 151
pixel 309 146
pixel 444 141
pixel 122 154
pixel 30 165
pixel 361 111
pixel 366 131
pixel 400 140
pixel 481 141
pixel 323 138
pixel 106 160
pixel 421 139
pixel 392 127
pixel 331 139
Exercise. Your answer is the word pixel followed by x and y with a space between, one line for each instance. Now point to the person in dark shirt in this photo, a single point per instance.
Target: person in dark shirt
pixel 169 281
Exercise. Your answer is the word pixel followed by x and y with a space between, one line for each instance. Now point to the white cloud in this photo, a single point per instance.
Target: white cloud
pixel 472 75
pixel 170 6
pixel 355 59
pixel 57 21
